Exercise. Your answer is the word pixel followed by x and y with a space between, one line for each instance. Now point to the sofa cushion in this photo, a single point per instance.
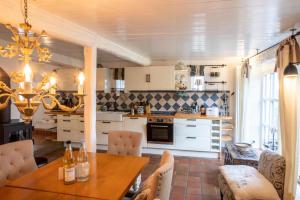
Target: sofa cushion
pixel 246 183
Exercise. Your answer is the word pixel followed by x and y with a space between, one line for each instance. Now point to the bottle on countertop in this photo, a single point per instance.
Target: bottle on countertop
pixel 202 110
pixel 69 165
pixel 83 165
pixel 148 107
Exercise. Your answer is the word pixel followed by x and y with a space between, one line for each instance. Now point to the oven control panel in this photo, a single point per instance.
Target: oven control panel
pixel 160 120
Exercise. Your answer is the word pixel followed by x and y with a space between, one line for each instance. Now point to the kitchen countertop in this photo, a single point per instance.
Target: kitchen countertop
pixel 182 115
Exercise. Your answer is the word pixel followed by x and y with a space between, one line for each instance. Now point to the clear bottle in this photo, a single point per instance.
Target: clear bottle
pixel 69 165
pixel 83 166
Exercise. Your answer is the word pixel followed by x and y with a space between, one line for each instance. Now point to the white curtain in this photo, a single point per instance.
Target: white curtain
pixel 249 92
pixel 243 73
pixel 287 52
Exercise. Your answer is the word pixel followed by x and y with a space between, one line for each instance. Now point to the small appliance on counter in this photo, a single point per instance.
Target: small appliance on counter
pixel 213 111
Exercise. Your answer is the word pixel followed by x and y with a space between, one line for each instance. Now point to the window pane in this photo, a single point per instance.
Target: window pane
pixel 270 111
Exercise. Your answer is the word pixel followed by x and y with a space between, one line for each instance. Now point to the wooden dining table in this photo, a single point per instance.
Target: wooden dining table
pixel 111 176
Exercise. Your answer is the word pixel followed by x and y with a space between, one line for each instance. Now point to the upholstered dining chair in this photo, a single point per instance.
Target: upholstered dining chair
pixel 124 143
pixel 236 181
pixel 158 185
pixel 16 159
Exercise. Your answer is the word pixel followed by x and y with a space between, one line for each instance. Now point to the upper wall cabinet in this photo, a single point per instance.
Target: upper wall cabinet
pixel 161 78
pixel 103 81
pixel 149 78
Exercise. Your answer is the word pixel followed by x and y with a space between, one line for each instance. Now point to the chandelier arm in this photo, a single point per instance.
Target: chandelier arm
pixel 5 103
pixel 48 106
pixel 62 107
pixel 5 88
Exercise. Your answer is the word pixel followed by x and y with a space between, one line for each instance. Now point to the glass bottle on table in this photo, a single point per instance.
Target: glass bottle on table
pixel 83 166
pixel 69 165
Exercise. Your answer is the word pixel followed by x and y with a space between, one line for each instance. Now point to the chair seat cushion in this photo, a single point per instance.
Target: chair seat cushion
pixel 246 183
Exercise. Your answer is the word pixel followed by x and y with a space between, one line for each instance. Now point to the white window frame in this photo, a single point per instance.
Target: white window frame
pixel 269 114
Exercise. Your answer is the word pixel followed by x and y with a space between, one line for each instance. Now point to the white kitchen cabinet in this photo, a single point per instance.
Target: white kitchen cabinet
pixel 135 78
pixel 161 78
pixel 192 134
pixel 103 81
pixel 104 127
pixel 137 124
pixel 70 127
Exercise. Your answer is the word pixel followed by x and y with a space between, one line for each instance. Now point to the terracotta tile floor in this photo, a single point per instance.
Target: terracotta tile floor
pixel 193 178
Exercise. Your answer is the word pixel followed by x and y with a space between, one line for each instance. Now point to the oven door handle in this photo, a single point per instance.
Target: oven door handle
pixel 159 126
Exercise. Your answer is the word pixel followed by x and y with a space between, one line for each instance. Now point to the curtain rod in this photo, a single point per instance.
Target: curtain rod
pixel 274 45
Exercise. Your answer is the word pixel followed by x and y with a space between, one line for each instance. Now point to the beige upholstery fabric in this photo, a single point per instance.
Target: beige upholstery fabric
pixel 165 174
pixel 272 166
pixel 16 159
pixel 148 188
pixel 124 143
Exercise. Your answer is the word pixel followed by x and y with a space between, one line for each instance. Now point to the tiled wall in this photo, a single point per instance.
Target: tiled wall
pixel 162 101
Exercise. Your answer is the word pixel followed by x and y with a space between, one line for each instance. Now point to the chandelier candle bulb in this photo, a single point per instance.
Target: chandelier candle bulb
pixel 80 82
pixel 27 79
pixel 52 89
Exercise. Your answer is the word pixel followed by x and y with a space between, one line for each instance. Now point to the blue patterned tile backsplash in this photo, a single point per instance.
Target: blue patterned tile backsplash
pixel 161 101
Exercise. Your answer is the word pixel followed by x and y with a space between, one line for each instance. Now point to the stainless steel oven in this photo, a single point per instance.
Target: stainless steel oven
pixel 160 130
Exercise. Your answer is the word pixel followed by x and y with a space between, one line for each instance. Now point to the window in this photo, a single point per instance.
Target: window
pixel 270 111
pixel 120 85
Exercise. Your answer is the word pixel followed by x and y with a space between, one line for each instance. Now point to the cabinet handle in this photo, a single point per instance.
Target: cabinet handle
pixel 133 118
pixel 68 131
pixel 66 120
pixel 105 133
pixel 191 120
pixel 81 131
pixel 190 137
pixel 191 126
pixel 159 126
pixel 81 121
pixel 106 122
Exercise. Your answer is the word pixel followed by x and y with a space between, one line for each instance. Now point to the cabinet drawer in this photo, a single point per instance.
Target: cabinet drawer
pixel 78 125
pixel 102 138
pixel 77 117
pixel 192 143
pixel 192 130
pixel 61 117
pixel 193 121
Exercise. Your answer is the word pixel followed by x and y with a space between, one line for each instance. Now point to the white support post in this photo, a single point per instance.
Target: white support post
pixel 90 65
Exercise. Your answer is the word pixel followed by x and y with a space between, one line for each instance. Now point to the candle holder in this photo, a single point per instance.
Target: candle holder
pixel 30 102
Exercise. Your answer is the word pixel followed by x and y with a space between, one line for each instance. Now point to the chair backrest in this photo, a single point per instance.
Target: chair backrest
pixel 165 175
pixel 124 143
pixel 148 188
pixel 16 159
pixel 272 166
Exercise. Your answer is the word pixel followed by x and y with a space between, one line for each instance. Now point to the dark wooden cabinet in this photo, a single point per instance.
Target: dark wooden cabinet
pixel 15 131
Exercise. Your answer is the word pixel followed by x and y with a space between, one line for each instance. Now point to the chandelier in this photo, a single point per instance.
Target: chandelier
pixel 25 97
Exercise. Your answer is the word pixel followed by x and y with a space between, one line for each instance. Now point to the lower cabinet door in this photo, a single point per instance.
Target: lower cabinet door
pixel 192 143
pixel 104 127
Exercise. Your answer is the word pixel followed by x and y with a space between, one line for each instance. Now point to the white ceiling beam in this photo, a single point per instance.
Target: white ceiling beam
pixel 66 30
